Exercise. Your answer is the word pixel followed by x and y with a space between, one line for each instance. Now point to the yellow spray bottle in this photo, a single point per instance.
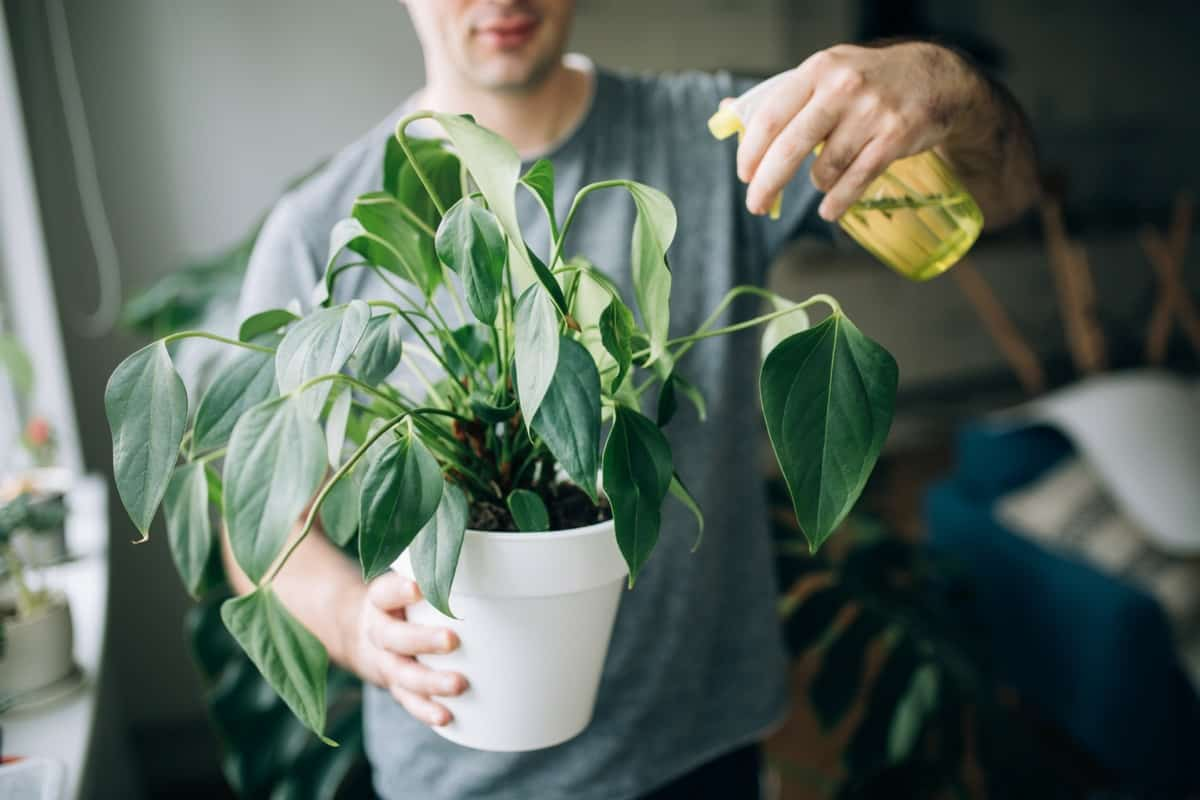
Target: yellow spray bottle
pixel 916 217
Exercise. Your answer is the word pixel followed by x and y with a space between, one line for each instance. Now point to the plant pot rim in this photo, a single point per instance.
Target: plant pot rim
pixel 542 536
pixel 56 601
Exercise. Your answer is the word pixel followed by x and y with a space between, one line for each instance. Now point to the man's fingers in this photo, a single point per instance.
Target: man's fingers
pixel 422 707
pixel 773 114
pixel 406 638
pixel 869 164
pixel 392 591
pixel 787 152
pixel 413 676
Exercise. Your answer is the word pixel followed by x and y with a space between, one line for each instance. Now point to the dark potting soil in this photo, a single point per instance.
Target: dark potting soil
pixel 568 505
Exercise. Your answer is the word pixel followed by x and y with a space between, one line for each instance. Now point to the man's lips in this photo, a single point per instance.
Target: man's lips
pixel 509 32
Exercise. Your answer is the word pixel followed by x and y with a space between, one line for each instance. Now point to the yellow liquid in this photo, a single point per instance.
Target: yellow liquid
pixel 916 217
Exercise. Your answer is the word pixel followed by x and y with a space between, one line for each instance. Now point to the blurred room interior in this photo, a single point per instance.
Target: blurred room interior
pixel 1005 611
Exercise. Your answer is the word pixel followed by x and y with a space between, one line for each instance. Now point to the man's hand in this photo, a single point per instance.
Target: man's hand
pixel 873 105
pixel 383 646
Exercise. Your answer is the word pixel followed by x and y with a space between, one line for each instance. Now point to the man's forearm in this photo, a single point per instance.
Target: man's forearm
pixel 319 585
pixel 991 147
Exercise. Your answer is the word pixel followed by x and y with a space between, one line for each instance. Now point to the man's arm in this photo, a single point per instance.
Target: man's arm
pixel 873 105
pixel 363 627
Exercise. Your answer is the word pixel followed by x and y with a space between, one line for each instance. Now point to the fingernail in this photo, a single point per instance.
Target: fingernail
pixel 446 640
pixel 449 685
pixel 439 718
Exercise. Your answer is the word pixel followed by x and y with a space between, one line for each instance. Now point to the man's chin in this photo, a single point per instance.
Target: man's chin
pixel 514 76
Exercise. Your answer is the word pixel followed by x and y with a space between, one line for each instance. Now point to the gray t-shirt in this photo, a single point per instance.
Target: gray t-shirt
pixel 696 667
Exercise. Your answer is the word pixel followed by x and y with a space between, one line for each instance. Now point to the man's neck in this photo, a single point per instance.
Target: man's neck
pixel 533 120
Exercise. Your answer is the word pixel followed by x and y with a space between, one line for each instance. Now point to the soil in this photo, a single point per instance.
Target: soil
pixel 569 507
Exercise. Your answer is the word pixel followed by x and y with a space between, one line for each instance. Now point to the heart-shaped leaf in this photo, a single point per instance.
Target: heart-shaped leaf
pixel 470 242
pixel 827 395
pixel 146 404
pixel 400 493
pixel 637 476
pixel 189 529
pixel 275 463
pixel 653 232
pixel 268 321
pixel 319 345
pixel 247 380
pixel 339 509
pixel 780 328
pixel 495 167
pixel 291 659
pixel 568 419
pixel 394 242
pixel 434 552
pixel 540 180
pixel 536 348
pixel 616 334
pixel 379 352
pixel 529 511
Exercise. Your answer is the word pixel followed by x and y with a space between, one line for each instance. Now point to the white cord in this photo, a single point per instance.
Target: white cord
pixel 95 217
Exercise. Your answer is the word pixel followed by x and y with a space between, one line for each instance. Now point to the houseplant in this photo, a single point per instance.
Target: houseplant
pixel 35 624
pixel 508 434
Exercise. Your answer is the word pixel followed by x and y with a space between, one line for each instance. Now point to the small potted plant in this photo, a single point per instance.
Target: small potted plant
pixel 493 481
pixel 36 640
pixel 35 504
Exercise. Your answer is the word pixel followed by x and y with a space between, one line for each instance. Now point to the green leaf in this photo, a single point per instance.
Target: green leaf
pixel 548 281
pixel 394 242
pixel 827 395
pixel 489 412
pixel 536 348
pixel 540 180
pixel 912 711
pixel 568 419
pixel 379 352
pixel 339 510
pixel 434 552
pixel 292 660
pixel 439 165
pixel 495 167
pixel 637 476
pixel 268 321
pixel 189 529
pixel 529 511
pixel 400 493
pixel 344 232
pixel 653 231
pixel 782 327
pixel 616 334
pixel 668 402
pixel 681 493
pixel 335 425
pixel 474 340
pixel 15 361
pixel 247 380
pixel 146 404
pixel 319 345
pixel 470 242
pixel 275 463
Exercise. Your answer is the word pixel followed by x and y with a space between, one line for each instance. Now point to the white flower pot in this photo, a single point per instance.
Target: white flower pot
pixel 37 651
pixel 535 615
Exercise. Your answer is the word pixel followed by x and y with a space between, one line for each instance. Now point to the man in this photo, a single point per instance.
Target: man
pixel 695 672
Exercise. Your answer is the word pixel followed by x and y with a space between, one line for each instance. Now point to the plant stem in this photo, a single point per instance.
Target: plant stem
pixel 351 462
pixel 346 379
pixel 213 456
pixel 687 341
pixel 421 334
pixel 402 138
pixel 566 226
pixel 174 337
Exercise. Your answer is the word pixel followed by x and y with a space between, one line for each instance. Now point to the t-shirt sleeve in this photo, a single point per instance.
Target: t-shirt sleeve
pixel 282 267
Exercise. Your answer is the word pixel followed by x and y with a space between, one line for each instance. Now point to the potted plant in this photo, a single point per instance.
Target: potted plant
pixel 496 487
pixel 35 624
pixel 35 505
